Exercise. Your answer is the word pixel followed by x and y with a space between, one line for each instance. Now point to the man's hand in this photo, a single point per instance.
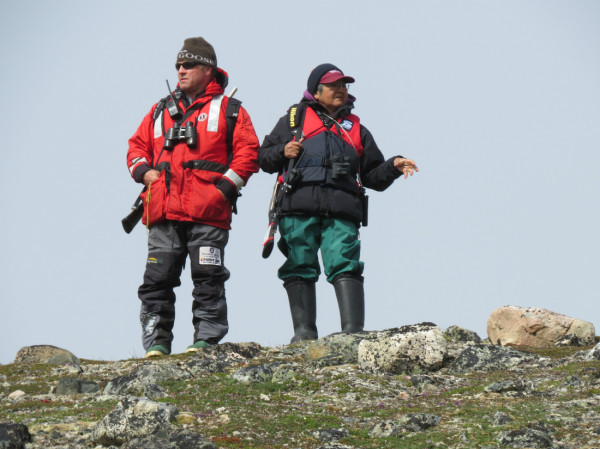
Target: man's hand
pixel 406 166
pixel 293 149
pixel 150 176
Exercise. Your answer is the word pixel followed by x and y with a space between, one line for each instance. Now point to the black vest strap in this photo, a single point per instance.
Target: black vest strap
pixel 163 166
pixel 199 164
pixel 232 111
pixel 166 167
pixel 296 118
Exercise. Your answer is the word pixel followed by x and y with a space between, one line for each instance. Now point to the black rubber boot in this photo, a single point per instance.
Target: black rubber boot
pixel 350 294
pixel 303 305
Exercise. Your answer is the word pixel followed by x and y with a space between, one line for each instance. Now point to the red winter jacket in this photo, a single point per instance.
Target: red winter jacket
pixel 190 179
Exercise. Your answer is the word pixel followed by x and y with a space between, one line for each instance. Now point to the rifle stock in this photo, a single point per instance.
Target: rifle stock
pixel 137 211
pixel 278 191
pixel 269 241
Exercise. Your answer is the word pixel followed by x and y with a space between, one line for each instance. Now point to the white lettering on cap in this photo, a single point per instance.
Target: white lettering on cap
pixel 184 54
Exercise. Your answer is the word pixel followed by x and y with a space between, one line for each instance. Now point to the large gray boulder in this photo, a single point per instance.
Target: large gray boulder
pixel 137 382
pixel 14 436
pixel 45 354
pixel 336 349
pixel 535 327
pixel 68 386
pixel 486 358
pixel 133 418
pixel 172 439
pixel 407 349
pixel 218 358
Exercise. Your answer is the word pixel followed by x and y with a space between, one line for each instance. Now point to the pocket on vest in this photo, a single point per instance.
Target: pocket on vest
pixel 205 201
pixel 155 201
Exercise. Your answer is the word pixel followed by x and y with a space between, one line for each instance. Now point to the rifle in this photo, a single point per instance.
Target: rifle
pixel 279 190
pixel 137 210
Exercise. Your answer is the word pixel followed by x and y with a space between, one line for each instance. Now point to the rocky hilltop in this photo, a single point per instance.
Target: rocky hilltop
pixel 408 387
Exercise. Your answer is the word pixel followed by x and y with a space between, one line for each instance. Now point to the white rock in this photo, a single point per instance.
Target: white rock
pixel 16 395
pixel 407 349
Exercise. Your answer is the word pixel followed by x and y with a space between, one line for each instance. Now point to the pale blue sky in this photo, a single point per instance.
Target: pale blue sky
pixel 497 101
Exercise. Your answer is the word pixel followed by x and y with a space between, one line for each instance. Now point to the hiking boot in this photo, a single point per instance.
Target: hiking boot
pixel 196 346
pixel 156 351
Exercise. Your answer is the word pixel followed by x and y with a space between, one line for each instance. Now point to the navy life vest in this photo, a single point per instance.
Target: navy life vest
pixel 331 155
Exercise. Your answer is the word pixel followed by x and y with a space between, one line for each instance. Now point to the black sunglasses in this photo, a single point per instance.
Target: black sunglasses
pixel 186 65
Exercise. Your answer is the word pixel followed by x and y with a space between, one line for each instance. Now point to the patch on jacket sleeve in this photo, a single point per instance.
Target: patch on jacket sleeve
pixel 210 255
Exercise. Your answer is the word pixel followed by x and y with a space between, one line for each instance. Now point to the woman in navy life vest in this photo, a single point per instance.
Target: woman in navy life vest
pixel 334 158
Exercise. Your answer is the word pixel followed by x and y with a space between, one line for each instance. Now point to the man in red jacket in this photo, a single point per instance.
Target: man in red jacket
pixel 193 170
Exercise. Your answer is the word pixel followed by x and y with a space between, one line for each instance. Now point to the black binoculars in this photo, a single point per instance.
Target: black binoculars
pixel 178 133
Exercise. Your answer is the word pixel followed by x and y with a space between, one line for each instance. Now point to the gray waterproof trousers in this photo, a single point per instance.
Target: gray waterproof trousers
pixel 169 244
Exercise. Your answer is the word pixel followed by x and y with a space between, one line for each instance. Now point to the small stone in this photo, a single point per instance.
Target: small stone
pixel 254 373
pixel 330 434
pixel 500 419
pixel 419 422
pixel 186 418
pixel 457 333
pixel 404 395
pixel 384 429
pixel 525 438
pixel 16 395
pixel 70 386
pixel 509 386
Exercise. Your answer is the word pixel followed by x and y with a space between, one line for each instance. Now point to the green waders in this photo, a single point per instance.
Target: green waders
pixel 301 239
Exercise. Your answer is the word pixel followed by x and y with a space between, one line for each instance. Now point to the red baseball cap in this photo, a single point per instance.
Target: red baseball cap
pixel 335 75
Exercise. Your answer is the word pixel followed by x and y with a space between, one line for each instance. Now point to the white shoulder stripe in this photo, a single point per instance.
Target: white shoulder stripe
pixel 214 113
pixel 158 126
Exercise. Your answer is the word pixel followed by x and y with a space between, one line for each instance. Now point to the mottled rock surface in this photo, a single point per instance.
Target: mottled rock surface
pixel 136 382
pixel 45 354
pixel 407 349
pixel 313 395
pixel 14 436
pixel 133 418
pixel 488 358
pixel 535 327
pixel 68 386
pixel 458 333
pixel 173 439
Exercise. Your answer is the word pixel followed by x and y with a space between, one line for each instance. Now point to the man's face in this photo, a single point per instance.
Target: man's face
pixel 194 79
pixel 333 95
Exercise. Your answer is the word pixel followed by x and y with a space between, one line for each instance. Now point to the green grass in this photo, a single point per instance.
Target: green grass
pixel 268 415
